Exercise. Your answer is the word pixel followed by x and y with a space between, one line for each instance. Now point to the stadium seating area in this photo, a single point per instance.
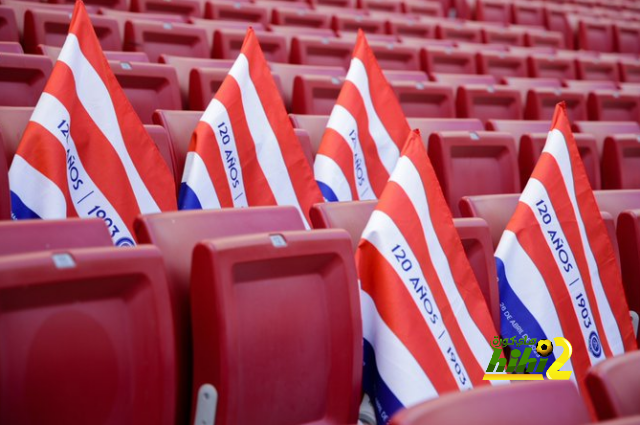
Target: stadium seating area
pixel 479 79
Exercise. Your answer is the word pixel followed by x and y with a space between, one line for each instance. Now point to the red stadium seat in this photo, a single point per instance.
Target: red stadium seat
pixel 620 162
pixel 306 50
pixel 236 11
pixel 162 141
pixel 425 100
pixel 474 233
pixel 493 11
pixel 541 103
pixel 176 234
pixel 227 44
pixel 458 31
pixel 180 126
pixel 501 64
pixel 8 25
pixel 13 121
pixel 53 53
pixel 393 76
pixel 474 163
pixel 528 13
pixel 542 38
pixel 503 36
pixel 287 73
pixel 597 69
pixel 616 201
pixel 156 38
pixel 315 94
pixel 391 6
pixel 560 398
pixel 123 17
pixel 148 87
pixel 261 284
pixel 313 124
pixel 601 129
pixel 203 85
pixel 547 66
pixel 629 71
pixel 403 28
pixel 612 384
pixel 423 8
pixel 626 36
pixel 51 28
pixel 588 86
pixel 489 102
pixel 457 80
pixel 11 47
pixel 518 128
pixel 25 236
pixel 629 243
pixel 394 56
pixel 211 26
pixel 176 7
pixel 5 196
pixel 531 146
pixel 427 126
pixel 184 66
pixel 22 78
pixel 596 35
pixel 606 105
pixel 295 17
pixel 346 23
pixel 556 20
pixel 446 60
pixel 91 337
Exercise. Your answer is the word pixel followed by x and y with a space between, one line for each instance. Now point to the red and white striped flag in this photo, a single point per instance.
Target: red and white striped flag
pixel 427 327
pixel 85 152
pixel 364 135
pixel 556 266
pixel 244 151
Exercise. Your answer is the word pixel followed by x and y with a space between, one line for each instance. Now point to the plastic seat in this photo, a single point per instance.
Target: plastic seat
pixel 263 284
pixel 393 76
pixel 393 56
pixel 11 47
pixel 307 50
pixel 547 66
pixel 488 102
pixel 541 103
pixel 542 38
pixel 425 100
pixel 176 7
pixel 427 126
pixel 560 398
pixel 606 105
pixel 427 9
pixel 236 11
pixel 403 28
pixel 493 11
pixel 626 37
pixel 524 84
pixel 502 64
pixel 447 60
pixel 291 17
pixel 314 125
pixel 517 128
pixel 227 44
pixel 556 20
pixel 156 38
pixel 203 85
pixel 601 129
pixel 595 35
pixel 629 71
pixel 457 80
pixel 184 66
pixel 629 243
pixel 528 13
pixel 474 163
pixel 346 23
pixel 391 6
pixel 211 26
pixel 474 234
pixel 287 73
pixel 51 28
pixel 458 31
pixel 22 78
pixel 13 121
pixel 613 384
pixel 620 166
pixel 315 94
pixel 8 25
pixel 91 336
pixel 161 138
pixel 122 17
pixel 597 69
pixel 53 53
pixel 496 35
pixel 148 87
pixel 180 126
pixel 588 86
pixel 176 234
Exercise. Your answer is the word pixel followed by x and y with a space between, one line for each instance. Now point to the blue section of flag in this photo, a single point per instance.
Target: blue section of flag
pixel 327 192
pixel 19 210
pixel 188 200
pixel 385 403
pixel 510 303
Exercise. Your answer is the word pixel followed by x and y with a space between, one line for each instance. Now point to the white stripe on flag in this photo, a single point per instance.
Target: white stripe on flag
pixel 391 243
pixel 217 118
pixel 328 172
pixel 408 177
pixel 387 149
pixel 346 126
pixel 35 190
pixel 397 367
pixel 557 147
pixel 95 98
pixel 196 176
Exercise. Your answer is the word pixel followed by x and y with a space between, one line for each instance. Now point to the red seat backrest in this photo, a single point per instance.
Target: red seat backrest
pixel 156 38
pixel 22 78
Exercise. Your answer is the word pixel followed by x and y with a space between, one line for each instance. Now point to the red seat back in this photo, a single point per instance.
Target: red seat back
pixel 628 233
pixel 177 7
pixel 284 343
pixel 427 126
pixel 8 25
pixel 307 50
pixel 314 125
pixel 287 74
pixel 601 129
pixel 315 94
pixel 156 38
pixel 541 103
pixel 22 78
pixel 11 47
pixel 607 105
pixel 447 60
pixel 500 64
pixel 488 102
pixel 180 126
pixel 13 121
pixel 425 100
pixel 620 162
pixel 90 336
pixel 163 143
pixel 227 44
pixel 613 386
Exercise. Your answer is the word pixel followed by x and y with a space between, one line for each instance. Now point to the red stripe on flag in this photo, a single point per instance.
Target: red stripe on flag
pixel 335 147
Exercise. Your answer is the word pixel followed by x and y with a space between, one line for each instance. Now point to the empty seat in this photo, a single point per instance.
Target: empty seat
pixel 314 125
pixel 524 84
pixel 493 11
pixel 434 125
pixel 391 6
pixel 447 60
pixel 423 8
pixel 612 383
pixel 474 234
pixel 621 162
pixel 203 85
pixel 474 163
pixel 393 76
pixel 11 47
pixel 488 102
pixel 403 28
pixel 228 42
pixel 51 28
pixel 211 26
pixel 176 7
pixel 156 38
pixel 91 335
pixel 517 128
pixel 458 31
pixel 532 144
pixel 629 243
pixel 626 37
pixel 596 35
pixel 556 20
pixel 176 234
pixel 315 94
pixel 287 73
pixel 8 25
pixel 629 71
pixel 161 138
pixel 560 398
pixel 528 13
pixel 236 11
pixel 13 121
pixel 396 56
pixel 501 64
pixel 346 23
pixel 123 17
pixel 606 105
pixel 541 103
pixel 601 129
pixel 296 17
pixel 588 86
pixel 543 38
pixel 425 100
pixel 502 36
pixel 184 66
pixel 597 69
pixel 307 50
pixel 22 78
pixel 53 53
pixel 457 80
pixel 293 295
pixel 148 87
pixel 548 66
pixel 180 126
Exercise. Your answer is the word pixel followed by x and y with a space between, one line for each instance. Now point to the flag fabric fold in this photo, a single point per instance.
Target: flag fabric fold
pixel 558 276
pixel 364 135
pixel 427 327
pixel 85 152
pixel 244 151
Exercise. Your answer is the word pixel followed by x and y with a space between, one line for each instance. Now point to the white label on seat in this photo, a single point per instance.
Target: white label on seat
pixel 278 241
pixel 63 261
pixel 206 405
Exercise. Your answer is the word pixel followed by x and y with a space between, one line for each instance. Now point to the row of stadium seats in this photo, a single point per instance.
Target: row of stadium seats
pixel 138 309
